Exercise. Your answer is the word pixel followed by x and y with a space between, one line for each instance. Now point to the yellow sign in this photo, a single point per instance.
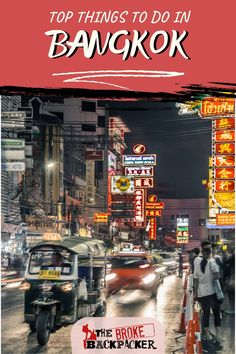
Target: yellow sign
pixel 102 217
pixel 49 236
pixel 49 274
pixel 225 219
pixel 225 200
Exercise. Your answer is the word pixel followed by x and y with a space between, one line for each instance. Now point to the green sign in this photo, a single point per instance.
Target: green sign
pixel 12 144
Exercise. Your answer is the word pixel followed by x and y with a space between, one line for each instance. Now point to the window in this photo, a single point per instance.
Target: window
pixel 88 128
pixel 88 106
pixel 101 121
pixel 172 217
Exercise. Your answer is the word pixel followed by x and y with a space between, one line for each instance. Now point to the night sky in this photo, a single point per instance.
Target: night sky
pixel 182 143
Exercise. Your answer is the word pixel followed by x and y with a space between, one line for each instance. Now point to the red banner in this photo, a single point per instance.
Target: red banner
pixel 224 148
pixel 117 45
pixel 153 229
pixel 224 135
pixel 223 161
pixel 224 186
pixel 224 173
pixel 153 213
pixel 224 123
pixel 139 207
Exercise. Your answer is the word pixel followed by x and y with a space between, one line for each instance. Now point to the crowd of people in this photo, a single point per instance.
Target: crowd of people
pixel 214 286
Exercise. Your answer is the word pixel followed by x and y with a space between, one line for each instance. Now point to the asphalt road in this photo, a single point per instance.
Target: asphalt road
pixel 17 339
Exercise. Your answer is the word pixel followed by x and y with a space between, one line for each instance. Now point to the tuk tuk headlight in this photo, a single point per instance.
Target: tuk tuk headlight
pixel 25 285
pixel 67 287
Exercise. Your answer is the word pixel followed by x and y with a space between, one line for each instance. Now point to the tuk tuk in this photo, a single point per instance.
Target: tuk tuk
pixel 64 281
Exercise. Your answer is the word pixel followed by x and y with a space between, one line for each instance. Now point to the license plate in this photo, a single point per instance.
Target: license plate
pixel 49 274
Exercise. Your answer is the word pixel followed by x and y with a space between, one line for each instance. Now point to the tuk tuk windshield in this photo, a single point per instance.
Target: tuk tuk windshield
pixel 51 260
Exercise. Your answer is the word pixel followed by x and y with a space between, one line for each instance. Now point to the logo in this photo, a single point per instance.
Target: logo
pixel 117 334
pixel 152 198
pixel 123 183
pixel 139 149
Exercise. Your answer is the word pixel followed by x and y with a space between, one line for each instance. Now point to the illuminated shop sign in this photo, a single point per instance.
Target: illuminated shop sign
pixel 223 161
pixel 139 171
pixel 139 210
pixel 139 149
pixel 225 219
pixel 224 136
pixel 182 230
pixel 122 184
pixel 224 123
pixel 153 228
pixel 143 182
pixel 224 186
pixel 224 173
pixel 100 217
pixel 153 212
pixel 217 107
pixel 139 160
pixel 157 205
pixel 225 148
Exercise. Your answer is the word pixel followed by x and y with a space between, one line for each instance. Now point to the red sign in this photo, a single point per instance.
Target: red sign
pixel 224 148
pixel 217 107
pixel 158 205
pixel 223 161
pixel 139 208
pixel 139 149
pixel 224 173
pixel 143 182
pixel 153 228
pixel 224 186
pixel 224 123
pixel 224 135
pixel 153 212
pixel 225 219
pixel 96 155
pixel 147 171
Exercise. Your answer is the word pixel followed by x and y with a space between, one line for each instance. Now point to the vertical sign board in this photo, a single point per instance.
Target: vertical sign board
pixel 153 228
pixel 182 230
pixel 90 188
pixel 139 206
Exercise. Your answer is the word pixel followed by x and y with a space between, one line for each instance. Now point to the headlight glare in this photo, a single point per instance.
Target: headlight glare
pixel 149 278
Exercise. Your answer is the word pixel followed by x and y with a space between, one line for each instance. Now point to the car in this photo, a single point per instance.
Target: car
pixel 132 271
pixel 169 260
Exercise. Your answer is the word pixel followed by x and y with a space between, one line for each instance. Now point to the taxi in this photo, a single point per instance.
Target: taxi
pixel 134 270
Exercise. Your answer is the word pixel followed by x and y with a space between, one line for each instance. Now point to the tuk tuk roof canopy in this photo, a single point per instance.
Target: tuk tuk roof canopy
pixel 77 245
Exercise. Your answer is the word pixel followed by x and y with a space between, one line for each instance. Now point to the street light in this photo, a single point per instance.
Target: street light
pixel 50 166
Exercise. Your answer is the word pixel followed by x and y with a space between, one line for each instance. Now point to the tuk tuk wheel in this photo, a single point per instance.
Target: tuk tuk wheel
pixel 43 327
pixel 32 327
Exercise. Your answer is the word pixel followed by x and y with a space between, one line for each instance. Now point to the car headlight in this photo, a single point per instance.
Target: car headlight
pixel 111 276
pixel 67 287
pixel 25 285
pixel 149 278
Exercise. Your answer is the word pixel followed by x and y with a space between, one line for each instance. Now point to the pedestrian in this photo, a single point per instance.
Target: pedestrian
pixel 219 261
pixel 195 253
pixel 229 286
pixel 180 264
pixel 205 272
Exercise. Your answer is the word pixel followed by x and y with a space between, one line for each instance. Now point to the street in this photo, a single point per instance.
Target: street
pixel 17 339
